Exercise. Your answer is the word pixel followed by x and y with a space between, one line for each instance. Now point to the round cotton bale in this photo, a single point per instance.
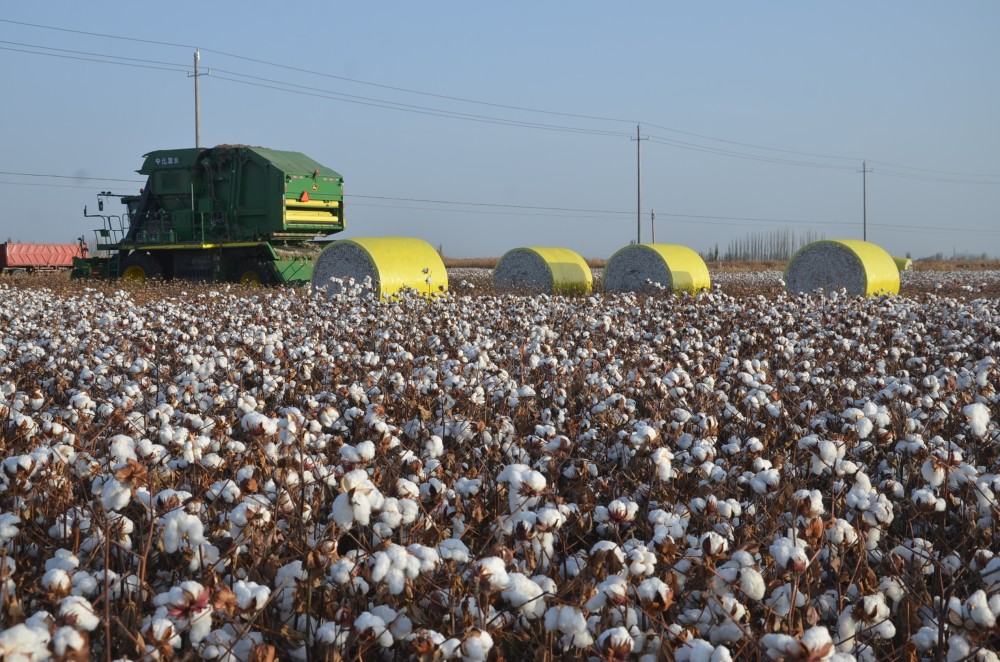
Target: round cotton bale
pixel 543 270
pixel 392 263
pixel 859 267
pixel 903 263
pixel 641 267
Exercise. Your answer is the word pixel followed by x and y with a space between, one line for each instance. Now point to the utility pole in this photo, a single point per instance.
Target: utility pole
pixel 864 199
pixel 638 184
pixel 652 226
pixel 197 102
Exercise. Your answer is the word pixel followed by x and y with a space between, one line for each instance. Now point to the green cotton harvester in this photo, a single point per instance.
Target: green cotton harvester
pixel 228 213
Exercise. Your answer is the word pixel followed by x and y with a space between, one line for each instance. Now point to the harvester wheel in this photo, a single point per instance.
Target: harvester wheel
pixel 140 267
pixel 255 275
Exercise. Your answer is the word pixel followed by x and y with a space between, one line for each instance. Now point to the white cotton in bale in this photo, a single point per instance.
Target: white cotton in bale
pixel 390 263
pixel 903 263
pixel 543 270
pixel 858 267
pixel 650 267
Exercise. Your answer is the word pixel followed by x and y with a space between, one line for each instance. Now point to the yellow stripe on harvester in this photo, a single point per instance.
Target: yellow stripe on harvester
pixel 311 211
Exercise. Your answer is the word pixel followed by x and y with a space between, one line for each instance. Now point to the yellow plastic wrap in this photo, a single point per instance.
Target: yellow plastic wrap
pixel 870 265
pixel 566 271
pixel 687 270
pixel 393 263
pixel 903 263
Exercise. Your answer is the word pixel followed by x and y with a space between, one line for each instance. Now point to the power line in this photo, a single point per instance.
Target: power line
pixel 87 59
pixel 486 204
pixel 95 179
pixel 340 96
pixel 533 210
pixel 743 155
pixel 90 188
pixel 389 104
pixel 66 50
pixel 928 178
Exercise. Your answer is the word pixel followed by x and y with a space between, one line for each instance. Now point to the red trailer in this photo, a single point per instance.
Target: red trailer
pixel 16 258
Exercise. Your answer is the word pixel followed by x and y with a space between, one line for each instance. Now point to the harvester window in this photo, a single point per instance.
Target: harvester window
pixel 172 181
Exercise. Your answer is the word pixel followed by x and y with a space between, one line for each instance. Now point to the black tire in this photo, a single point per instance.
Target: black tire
pixel 140 267
pixel 255 274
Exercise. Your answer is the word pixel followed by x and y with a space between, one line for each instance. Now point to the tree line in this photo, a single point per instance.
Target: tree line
pixel 762 246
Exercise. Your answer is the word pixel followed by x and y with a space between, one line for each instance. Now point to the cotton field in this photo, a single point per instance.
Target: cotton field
pixel 220 473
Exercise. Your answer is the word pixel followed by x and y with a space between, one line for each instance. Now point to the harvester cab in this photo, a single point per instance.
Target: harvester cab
pixel 107 238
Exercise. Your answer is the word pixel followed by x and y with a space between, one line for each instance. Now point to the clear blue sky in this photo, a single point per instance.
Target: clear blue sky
pixel 758 115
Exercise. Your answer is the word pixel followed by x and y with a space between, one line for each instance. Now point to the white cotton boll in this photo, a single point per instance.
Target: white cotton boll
pixel 815 645
pixel 974 614
pixel 613 590
pixel 28 641
pixel 342 511
pixel 918 553
pixel 878 615
pixel 79 612
pixel 842 533
pixel 433 446
pixel 752 583
pixel 933 472
pixel 712 544
pixel 407 489
pixel 227 490
pixel 9 523
pixel 765 481
pixel 468 487
pixel 662 459
pixel 57 580
pixel 978 417
pixel 780 599
pixel 63 559
pixel 427 558
pixel 180 529
pixel 654 591
pixel 926 501
pixel 699 650
pixel 780 646
pixel 810 502
pixel 84 584
pixel 960 649
pixel 570 621
pixel 476 647
pixel 622 510
pixel 453 549
pixel 67 641
pixel 615 642
pixel 990 574
pixel 524 595
pixel 549 519
pixel 332 634
pixel 115 495
pixel 641 561
pixel 399 624
pixel 925 638
pixel 858 497
pixel 390 514
pixel 122 448
pixel 494 571
pixel 369 622
pixel 250 595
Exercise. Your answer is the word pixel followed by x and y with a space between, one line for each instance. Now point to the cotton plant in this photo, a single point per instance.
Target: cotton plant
pixel 678 425
pixel 867 620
